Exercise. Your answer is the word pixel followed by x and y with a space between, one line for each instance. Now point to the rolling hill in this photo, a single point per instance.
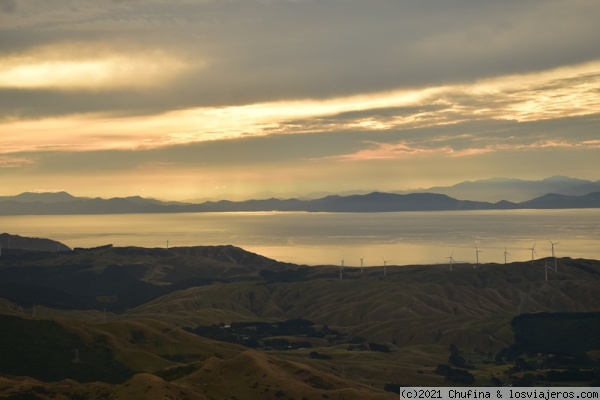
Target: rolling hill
pixel 118 322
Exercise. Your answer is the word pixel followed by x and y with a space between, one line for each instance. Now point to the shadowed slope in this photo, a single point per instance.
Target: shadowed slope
pixel 254 375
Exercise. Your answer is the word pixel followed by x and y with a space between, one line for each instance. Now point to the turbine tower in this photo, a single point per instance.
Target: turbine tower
pixel 361 264
pixel 384 266
pixel 451 260
pixel 553 256
pixel 532 252
pixel 546 268
pixel 506 253
pixel 477 251
pixel 341 270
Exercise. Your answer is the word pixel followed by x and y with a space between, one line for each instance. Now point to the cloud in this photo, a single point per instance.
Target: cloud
pixel 228 92
pixel 417 116
pixel 261 52
pixel 15 162
pixel 8 6
pixel 98 72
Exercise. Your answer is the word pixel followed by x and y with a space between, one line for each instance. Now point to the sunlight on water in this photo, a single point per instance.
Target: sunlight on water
pixel 327 238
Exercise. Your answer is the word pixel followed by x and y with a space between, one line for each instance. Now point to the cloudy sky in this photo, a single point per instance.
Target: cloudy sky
pixel 184 99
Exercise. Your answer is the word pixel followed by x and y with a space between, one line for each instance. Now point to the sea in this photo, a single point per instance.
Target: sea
pixel 398 238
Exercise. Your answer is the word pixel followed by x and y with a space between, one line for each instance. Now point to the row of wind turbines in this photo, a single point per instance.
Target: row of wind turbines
pixel 452 261
pixel 506 254
pixel 362 265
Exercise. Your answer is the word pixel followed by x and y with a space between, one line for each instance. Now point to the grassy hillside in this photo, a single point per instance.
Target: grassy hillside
pixel 411 306
pixel 148 359
pixel 117 315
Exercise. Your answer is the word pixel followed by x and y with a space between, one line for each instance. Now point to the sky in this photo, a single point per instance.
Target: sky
pixel 232 99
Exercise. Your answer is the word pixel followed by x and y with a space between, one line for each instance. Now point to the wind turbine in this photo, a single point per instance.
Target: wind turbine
pixel 546 268
pixel 553 256
pixel 451 260
pixel 532 252
pixel 477 251
pixel 384 266
pixel 361 264
pixel 506 253
pixel 341 270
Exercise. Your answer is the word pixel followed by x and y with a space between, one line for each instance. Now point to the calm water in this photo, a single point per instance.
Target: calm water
pixel 327 238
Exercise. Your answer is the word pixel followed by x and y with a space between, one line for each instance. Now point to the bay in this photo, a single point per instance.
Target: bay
pixel 400 238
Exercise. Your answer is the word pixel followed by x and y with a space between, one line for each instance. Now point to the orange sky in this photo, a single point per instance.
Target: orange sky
pixel 189 100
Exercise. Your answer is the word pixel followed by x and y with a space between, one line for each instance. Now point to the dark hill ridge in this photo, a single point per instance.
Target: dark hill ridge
pixel 65 204
pixel 8 242
pixel 117 278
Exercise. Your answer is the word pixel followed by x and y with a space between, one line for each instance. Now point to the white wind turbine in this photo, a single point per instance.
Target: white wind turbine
pixel 384 266
pixel 553 255
pixel 361 264
pixel 451 260
pixel 506 253
pixel 546 268
pixel 532 252
pixel 477 251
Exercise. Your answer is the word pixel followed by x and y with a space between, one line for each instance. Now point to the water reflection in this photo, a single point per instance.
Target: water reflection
pixel 327 238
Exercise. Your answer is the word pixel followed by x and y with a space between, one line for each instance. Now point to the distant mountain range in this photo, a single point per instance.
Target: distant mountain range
pixel 490 190
pixel 551 193
pixel 64 204
pixel 517 190
pixel 372 202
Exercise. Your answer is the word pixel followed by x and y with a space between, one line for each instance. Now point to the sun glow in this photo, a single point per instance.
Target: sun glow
pixel 550 94
pixel 101 72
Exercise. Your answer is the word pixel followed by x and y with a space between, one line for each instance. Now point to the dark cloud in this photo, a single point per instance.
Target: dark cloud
pixel 256 51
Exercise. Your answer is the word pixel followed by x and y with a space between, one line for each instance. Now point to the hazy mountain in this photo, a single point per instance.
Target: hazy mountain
pixel 516 190
pixel 553 201
pixel 372 202
pixel 41 197
pixel 488 190
pixel 581 190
